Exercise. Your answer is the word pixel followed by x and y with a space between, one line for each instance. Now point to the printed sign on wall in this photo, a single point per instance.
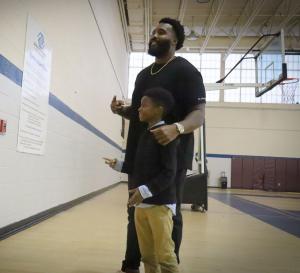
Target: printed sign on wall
pixel 35 91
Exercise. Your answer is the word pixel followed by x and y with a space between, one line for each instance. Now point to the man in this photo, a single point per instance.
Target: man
pixel 185 83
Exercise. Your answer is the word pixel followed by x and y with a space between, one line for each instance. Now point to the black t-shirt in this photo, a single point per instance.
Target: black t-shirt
pixel 185 83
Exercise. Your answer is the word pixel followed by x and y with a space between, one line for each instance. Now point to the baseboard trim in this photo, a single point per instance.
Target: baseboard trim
pixel 16 227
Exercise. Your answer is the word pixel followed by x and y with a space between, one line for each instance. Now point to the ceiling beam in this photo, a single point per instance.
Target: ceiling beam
pixel 124 25
pixel 147 22
pixel 254 7
pixel 292 25
pixel 292 36
pixel 269 22
pixel 293 12
pixel 213 18
pixel 182 8
pixel 284 23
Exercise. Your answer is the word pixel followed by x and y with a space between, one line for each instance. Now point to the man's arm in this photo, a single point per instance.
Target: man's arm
pixel 124 112
pixel 192 121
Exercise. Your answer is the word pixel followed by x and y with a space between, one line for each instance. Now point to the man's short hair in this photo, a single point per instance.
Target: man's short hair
pixel 178 29
pixel 161 97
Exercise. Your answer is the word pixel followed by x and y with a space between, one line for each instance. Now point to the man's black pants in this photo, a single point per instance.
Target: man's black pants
pixel 133 255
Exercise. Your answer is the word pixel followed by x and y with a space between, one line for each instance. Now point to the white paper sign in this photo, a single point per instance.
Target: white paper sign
pixel 35 91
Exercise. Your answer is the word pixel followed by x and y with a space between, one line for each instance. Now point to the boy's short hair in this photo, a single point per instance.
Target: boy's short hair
pixel 161 97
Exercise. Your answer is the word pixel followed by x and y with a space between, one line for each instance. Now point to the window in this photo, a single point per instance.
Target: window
pixel 209 65
pixel 293 67
pixel 138 61
pixel 245 73
pixel 210 70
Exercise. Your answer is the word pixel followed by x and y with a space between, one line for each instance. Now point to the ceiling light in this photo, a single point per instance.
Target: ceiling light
pixel 193 33
pixel 193 36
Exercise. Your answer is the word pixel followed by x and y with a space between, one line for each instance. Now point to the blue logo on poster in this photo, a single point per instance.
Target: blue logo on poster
pixel 41 40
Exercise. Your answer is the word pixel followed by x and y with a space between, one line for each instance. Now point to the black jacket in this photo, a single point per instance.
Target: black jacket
pixel 155 166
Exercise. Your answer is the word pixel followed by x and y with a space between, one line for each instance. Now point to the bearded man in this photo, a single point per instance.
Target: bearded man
pixel 185 83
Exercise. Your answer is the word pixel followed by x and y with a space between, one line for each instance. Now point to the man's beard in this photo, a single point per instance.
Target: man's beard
pixel 160 49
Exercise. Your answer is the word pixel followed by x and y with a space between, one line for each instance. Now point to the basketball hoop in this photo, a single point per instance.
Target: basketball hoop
pixel 288 88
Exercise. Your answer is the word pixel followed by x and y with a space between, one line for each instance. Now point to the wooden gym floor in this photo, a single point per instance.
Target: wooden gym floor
pixel 242 232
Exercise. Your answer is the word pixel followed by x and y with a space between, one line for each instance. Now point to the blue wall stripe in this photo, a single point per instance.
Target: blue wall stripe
pixel 12 72
pixel 67 111
pixel 219 155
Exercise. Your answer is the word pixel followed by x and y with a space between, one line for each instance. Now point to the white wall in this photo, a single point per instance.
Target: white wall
pixel 88 68
pixel 107 17
pixel 250 130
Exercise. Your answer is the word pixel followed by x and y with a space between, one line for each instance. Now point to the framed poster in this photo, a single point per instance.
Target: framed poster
pixel 35 91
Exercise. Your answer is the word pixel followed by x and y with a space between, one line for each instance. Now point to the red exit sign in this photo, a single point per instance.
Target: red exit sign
pixel 2 126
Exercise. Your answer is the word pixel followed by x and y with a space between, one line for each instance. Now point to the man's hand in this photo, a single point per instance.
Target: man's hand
pixel 110 162
pixel 116 106
pixel 165 134
pixel 135 197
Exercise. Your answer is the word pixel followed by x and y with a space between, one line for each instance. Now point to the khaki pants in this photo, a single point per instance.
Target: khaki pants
pixel 154 229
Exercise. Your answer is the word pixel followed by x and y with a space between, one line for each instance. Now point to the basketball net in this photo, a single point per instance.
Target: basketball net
pixel 288 89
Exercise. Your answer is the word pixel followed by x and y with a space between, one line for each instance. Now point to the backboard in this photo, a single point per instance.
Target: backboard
pixel 270 64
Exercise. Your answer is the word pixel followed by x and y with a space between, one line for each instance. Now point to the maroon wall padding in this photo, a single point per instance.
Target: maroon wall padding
pixel 298 181
pixel 258 173
pixel 236 173
pixel 292 175
pixel 280 175
pixel 269 183
pixel 247 175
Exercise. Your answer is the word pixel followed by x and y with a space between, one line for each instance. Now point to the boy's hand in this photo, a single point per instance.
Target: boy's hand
pixel 135 197
pixel 110 162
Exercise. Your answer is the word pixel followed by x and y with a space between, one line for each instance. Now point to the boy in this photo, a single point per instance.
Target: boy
pixel 154 189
